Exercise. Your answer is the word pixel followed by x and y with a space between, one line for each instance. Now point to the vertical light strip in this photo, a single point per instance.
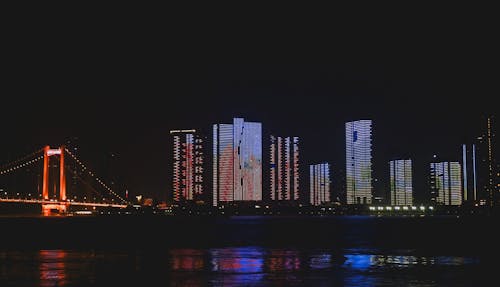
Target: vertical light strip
pixel 311 184
pixel 464 173
pixel 490 164
pixel 215 166
pixel 287 169
pixel 327 182
pixel 296 168
pixel 273 168
pixel 409 180
pixel 474 170
pixel 391 183
pixel 280 169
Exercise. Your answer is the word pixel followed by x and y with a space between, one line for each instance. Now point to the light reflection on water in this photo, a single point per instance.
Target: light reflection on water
pixel 231 266
pixel 283 260
pixel 237 260
pixel 52 265
pixel 365 261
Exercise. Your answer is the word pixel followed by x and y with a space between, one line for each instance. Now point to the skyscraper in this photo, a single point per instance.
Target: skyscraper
pixel 188 165
pixel 284 168
pixel 469 172
pixel 446 180
pixel 487 173
pixel 401 182
pixel 319 182
pixel 359 161
pixel 237 161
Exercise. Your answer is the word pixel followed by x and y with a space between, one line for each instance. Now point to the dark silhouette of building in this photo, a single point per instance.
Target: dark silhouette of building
pixel 487 167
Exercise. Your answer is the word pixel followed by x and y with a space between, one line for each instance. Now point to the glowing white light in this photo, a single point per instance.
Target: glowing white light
pixel 83 212
pixel 53 152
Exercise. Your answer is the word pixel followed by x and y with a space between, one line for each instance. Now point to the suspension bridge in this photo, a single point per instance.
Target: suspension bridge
pixel 51 190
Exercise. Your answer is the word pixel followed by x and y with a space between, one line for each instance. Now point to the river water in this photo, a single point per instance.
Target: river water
pixel 256 251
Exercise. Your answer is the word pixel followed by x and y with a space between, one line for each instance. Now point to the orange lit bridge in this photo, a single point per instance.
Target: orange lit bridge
pixel 51 204
pixel 53 196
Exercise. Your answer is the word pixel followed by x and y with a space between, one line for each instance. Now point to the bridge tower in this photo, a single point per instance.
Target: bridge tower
pixel 48 207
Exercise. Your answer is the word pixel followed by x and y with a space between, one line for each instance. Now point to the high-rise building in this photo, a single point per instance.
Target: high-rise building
pixel 401 182
pixel 237 161
pixel 446 181
pixel 469 172
pixel 284 168
pixel 359 162
pixel 319 183
pixel 487 173
pixel 188 165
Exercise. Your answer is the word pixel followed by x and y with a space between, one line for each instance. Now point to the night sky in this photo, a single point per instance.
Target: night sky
pixel 115 88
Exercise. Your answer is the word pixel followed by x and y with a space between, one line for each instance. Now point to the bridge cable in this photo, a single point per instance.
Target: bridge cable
pixel 94 176
pixel 24 164
pixel 84 181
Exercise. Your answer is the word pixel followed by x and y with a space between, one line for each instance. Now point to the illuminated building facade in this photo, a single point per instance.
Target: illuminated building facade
pixel 188 165
pixel 401 182
pixel 446 181
pixel 359 162
pixel 237 161
pixel 319 183
pixel 284 168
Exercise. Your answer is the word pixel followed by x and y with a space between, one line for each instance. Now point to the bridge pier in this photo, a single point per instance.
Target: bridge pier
pixel 50 209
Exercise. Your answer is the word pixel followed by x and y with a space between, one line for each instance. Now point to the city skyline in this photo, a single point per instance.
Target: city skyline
pixel 114 133
pixel 283 155
pixel 483 193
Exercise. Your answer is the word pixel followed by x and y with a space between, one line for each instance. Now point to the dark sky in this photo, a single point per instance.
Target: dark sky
pixel 118 84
